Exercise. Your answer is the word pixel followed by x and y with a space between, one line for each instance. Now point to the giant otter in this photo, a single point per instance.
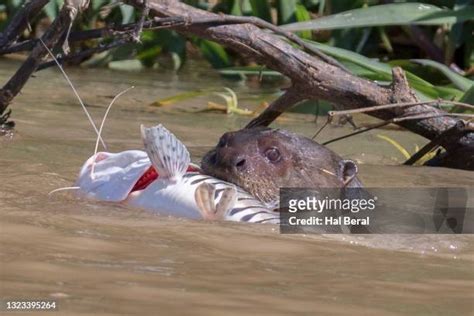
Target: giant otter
pixel 262 160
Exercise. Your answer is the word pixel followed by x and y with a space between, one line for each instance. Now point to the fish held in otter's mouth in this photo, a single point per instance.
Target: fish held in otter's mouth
pixel 162 179
pixel 263 160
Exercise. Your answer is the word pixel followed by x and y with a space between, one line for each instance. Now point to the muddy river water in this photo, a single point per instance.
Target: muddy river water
pixel 102 259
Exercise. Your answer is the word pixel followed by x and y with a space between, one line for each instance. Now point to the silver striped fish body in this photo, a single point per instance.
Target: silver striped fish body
pixel 245 207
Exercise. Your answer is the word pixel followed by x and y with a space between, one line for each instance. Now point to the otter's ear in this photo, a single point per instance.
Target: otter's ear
pixel 349 171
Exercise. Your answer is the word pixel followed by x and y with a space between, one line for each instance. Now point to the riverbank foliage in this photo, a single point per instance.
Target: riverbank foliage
pixel 431 40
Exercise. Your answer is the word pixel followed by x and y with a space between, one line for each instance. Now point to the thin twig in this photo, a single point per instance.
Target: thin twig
pixel 322 127
pixel 358 132
pixel 83 54
pixel 453 133
pixel 139 28
pixel 291 96
pixel 424 116
pixel 397 105
pixel 104 32
pixel 394 120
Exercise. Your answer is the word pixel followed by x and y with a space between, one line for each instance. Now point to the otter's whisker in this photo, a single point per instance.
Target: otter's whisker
pixel 327 171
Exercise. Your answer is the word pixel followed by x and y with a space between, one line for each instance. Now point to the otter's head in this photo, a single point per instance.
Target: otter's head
pixel 261 160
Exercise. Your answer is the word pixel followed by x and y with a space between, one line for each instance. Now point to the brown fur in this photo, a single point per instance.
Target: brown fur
pixel 245 158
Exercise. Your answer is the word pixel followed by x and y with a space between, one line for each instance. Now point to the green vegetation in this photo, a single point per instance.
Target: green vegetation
pixel 431 40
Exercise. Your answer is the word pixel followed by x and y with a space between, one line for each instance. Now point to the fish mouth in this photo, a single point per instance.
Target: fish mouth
pixel 150 175
pixel 146 179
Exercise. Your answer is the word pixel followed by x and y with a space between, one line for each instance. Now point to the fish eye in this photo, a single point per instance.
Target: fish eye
pixel 273 154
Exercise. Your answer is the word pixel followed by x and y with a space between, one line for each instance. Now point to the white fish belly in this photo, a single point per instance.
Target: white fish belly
pixel 167 198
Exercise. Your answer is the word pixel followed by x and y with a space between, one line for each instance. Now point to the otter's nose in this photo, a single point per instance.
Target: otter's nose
pixel 239 163
pixel 229 158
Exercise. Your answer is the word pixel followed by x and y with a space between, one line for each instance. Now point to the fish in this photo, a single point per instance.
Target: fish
pixel 162 179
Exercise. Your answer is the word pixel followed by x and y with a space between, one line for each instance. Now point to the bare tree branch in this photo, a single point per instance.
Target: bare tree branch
pixel 291 96
pixel 312 77
pixel 104 32
pixel 83 54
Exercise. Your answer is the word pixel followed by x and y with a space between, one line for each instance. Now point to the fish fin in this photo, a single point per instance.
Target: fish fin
pixel 227 200
pixel 205 200
pixel 204 197
pixel 167 154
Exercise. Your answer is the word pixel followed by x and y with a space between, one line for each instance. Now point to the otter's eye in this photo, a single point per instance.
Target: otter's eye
pixel 273 154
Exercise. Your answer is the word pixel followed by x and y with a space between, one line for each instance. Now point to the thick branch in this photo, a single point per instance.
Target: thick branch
pixel 84 54
pixel 452 134
pixel 313 77
pixel 291 96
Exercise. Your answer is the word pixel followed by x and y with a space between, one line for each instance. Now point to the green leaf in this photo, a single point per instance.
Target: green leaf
pixel 181 97
pixel 286 11
pixel 161 41
pixel 96 4
pixel 314 107
pixel 261 9
pixel 384 71
pixel 459 81
pixel 215 54
pixel 468 96
pixel 236 9
pixel 126 65
pixel 303 15
pixel 51 10
pixel 396 145
pixel 127 13
pixel 387 14
pixel 358 59
pixel 177 60
pixel 148 56
pixel 312 4
pixel 322 6
pixel 249 70
pixel 16 3
pixel 246 7
pixel 366 73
